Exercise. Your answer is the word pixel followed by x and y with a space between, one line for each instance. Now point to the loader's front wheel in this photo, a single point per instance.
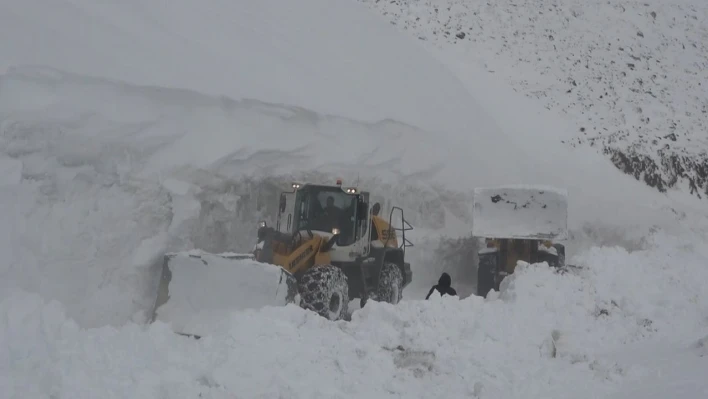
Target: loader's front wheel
pixel 324 290
pixel 390 284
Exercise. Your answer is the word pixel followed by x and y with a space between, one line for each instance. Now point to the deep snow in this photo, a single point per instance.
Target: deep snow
pixel 265 50
pixel 620 321
pixel 167 169
pixel 159 151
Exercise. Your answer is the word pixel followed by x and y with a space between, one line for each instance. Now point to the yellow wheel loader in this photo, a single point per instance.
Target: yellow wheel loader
pixel 335 248
pixel 517 223
pixel 327 247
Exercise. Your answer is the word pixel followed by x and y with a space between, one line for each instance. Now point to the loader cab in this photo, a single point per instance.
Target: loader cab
pixel 327 210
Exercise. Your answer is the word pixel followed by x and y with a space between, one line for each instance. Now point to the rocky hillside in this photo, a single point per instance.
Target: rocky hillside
pixel 631 75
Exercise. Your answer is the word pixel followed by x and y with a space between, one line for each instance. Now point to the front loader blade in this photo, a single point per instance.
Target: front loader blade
pixel 520 212
pixel 198 290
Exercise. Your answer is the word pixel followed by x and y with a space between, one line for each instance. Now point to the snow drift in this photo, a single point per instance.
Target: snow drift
pixel 346 63
pixel 112 176
pixel 588 327
pixel 169 170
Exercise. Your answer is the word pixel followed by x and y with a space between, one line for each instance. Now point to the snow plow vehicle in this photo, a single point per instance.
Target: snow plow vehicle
pixel 517 223
pixel 327 247
pixel 337 249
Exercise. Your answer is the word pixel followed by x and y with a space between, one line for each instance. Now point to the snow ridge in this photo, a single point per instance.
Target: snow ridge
pixel 630 75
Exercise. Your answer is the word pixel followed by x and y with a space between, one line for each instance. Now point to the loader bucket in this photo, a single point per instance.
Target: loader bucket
pixel 198 290
pixel 520 212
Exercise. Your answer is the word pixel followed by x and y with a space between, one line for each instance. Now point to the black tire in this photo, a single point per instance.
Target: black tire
pixel 390 288
pixel 486 273
pixel 324 290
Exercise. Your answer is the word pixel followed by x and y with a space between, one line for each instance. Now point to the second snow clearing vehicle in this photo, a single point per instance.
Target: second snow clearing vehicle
pixel 334 248
pixel 518 223
pixel 327 247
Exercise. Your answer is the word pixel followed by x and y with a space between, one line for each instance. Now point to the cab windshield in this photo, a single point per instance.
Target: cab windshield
pixel 325 209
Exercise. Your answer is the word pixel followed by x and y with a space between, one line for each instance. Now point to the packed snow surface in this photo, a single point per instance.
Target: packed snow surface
pixel 611 326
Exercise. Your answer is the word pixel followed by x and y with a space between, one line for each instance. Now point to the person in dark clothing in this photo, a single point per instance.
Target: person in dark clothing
pixel 332 213
pixel 443 286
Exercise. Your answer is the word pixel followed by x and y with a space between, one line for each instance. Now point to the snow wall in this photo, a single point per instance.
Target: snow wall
pixel 172 170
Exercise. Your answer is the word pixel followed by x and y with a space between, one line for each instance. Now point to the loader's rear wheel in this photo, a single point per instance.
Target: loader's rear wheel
pixel 390 287
pixel 324 290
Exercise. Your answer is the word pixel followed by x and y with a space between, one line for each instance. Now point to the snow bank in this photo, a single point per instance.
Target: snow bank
pixel 345 63
pixel 181 129
pixel 114 175
pixel 545 335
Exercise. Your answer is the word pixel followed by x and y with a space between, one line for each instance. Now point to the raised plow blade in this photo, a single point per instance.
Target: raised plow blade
pixel 520 212
pixel 198 290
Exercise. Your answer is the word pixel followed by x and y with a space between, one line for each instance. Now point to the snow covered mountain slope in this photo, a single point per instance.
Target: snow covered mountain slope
pixel 629 76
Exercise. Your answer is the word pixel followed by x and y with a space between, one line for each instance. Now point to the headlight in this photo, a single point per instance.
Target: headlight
pixel 335 231
pixel 262 223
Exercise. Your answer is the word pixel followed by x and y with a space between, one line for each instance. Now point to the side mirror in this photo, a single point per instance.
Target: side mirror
pixel 363 210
